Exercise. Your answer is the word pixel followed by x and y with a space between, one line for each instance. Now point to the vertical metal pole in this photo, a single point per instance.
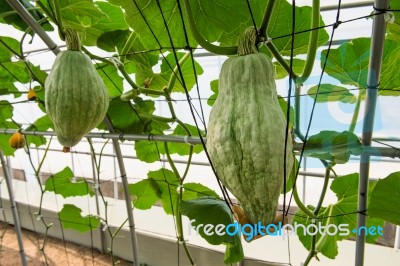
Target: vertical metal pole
pixel 17 225
pixel 96 194
pixel 128 199
pixel 376 51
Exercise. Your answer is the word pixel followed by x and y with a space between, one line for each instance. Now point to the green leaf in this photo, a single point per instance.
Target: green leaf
pixel 349 62
pixel 332 93
pixel 389 84
pixel 393 29
pixel 91 19
pixel 152 15
pixel 14 72
pixel 146 193
pixel 63 183
pixel 169 63
pixel 209 210
pixel 125 118
pixel 385 199
pixel 280 72
pixel 6 110
pixel 168 184
pixel 41 124
pixel 112 80
pixel 16 21
pixel 214 88
pixel 183 148
pixel 234 252
pixel 333 146
pixel 71 218
pixel 149 151
pixel 196 190
pixel 8 46
pixel 342 213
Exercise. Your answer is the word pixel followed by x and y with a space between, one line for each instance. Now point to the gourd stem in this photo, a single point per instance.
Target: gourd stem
pixel 297 113
pixel 315 247
pixel 247 42
pixel 300 204
pixel 72 40
pixel 312 42
pixel 173 77
pixel 272 48
pixel 147 116
pixel 267 17
pixel 230 50
pixel 356 112
pixel 324 189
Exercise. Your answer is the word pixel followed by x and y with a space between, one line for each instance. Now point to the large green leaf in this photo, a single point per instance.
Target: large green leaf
pixel 150 151
pixel 281 24
pixel 349 64
pixel 71 218
pixel 16 21
pixel 333 146
pixel 331 93
pixel 394 28
pixel 126 119
pixel 91 19
pixel 63 183
pixel 341 215
pixel 14 72
pixel 112 80
pixel 206 211
pixel 385 199
pixel 8 46
pixel 146 193
pixel 148 16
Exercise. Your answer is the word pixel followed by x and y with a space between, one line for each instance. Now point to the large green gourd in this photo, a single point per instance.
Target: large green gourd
pixel 246 132
pixel 76 97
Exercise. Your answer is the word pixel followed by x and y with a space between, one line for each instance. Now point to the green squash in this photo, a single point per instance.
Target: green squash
pixel 76 97
pixel 246 132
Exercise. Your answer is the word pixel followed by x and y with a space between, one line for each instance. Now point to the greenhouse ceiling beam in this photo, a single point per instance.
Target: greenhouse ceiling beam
pixel 373 78
pixel 17 225
pixel 26 16
pixel 368 150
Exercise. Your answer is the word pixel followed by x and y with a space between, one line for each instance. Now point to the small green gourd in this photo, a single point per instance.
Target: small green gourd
pixel 246 132
pixel 76 97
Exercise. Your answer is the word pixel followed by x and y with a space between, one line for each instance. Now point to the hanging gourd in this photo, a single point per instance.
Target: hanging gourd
pixel 76 97
pixel 17 140
pixel 246 132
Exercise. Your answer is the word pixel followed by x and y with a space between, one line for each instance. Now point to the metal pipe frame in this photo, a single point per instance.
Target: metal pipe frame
pixel 367 149
pixel 374 70
pixel 17 225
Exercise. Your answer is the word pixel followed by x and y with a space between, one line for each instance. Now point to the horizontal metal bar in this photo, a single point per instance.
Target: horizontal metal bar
pixel 347 5
pixel 372 151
